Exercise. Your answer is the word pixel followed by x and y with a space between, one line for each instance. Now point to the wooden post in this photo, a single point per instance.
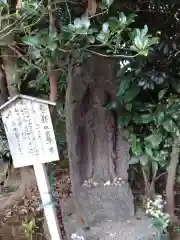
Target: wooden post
pixel 49 210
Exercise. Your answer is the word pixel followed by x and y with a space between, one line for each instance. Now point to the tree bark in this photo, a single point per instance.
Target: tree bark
pixel 9 60
pixel 3 87
pixel 171 179
pixel 96 148
pixel 91 129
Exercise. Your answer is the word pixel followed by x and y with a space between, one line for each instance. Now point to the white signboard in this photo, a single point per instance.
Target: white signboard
pixel 31 139
pixel 30 133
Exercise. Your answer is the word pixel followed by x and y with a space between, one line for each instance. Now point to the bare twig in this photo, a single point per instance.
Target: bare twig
pixel 19 54
pixel 160 175
pixel 146 182
pixel 112 56
pixel 52 74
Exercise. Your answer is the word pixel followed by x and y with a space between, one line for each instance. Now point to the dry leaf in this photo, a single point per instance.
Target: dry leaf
pixel 92 7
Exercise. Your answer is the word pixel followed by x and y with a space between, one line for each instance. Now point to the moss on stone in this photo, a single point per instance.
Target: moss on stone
pixel 64 164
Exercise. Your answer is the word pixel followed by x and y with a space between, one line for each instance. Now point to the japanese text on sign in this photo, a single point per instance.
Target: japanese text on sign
pixel 30 133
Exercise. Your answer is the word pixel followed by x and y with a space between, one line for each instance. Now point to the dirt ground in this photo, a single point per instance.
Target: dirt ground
pixel 15 221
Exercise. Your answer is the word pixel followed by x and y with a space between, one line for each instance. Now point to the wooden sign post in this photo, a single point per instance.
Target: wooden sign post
pixel 31 139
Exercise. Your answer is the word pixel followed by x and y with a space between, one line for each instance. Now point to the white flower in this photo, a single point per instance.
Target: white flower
pixel 105 27
pixel 155 214
pixel 147 211
pixel 81 238
pixel 85 21
pixel 158 197
pixel 82 22
pixel 126 62
pixel 95 184
pixel 74 236
pixel 108 183
pixel 77 23
pixel 121 64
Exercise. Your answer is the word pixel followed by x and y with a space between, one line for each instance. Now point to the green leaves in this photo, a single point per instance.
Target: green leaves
pixel 131 93
pixel 103 36
pixel 107 3
pixel 136 147
pixel 143 118
pixel 124 120
pixel 155 139
pixel 144 159
pixel 112 105
pixel 124 84
pixel 31 41
pixel 81 25
pixel 162 93
pixel 169 125
pixel 142 41
pixel 133 160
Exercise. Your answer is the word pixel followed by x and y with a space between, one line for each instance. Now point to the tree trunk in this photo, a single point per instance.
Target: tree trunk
pixel 98 153
pixel 172 168
pixel 12 81
pixel 3 87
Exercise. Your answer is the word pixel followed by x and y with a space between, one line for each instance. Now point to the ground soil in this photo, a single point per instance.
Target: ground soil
pixel 12 220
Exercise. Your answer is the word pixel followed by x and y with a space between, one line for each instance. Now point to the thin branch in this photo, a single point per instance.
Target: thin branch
pixel 160 175
pixel 98 14
pixel 68 11
pixel 146 182
pixel 112 56
pixel 19 54
pixel 53 79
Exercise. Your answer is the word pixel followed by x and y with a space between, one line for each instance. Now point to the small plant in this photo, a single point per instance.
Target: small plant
pixel 30 228
pixel 176 229
pixel 155 209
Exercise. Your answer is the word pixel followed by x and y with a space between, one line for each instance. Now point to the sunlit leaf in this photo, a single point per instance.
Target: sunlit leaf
pixel 133 160
pixel 155 139
pixel 154 167
pixel 144 31
pixel 91 39
pixel 152 41
pixel 107 3
pixel 144 160
pixel 162 93
pixel 169 125
pixel 136 147
pixel 144 52
pixel 138 42
pixel 148 150
pixel 31 41
pixel 52 46
pixel 143 119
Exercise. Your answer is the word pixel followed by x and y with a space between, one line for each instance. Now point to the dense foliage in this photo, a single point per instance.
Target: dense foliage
pixel 48 33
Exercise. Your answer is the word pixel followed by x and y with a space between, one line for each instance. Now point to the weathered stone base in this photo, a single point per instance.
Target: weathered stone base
pixel 132 229
pixel 111 202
